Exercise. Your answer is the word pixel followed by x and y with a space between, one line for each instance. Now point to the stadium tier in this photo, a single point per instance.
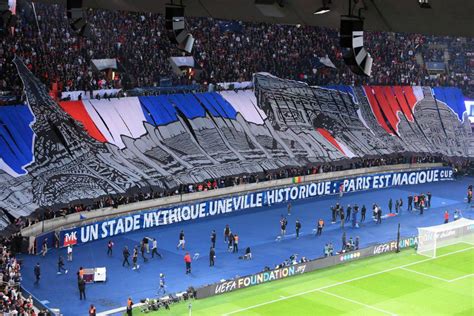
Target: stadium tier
pixel 306 53
pixel 54 153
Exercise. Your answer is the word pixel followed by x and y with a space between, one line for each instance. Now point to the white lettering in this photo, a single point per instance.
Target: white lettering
pixel 136 222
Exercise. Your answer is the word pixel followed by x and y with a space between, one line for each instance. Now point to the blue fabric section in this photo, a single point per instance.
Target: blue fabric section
pixel 345 89
pixel 217 105
pixel 227 108
pixel 148 110
pixel 167 108
pixel 459 99
pixel 16 136
pixel 11 133
pixel 188 105
pixel 23 114
pixel 210 106
pixel 453 97
pixel 158 110
pixel 6 154
pixel 439 94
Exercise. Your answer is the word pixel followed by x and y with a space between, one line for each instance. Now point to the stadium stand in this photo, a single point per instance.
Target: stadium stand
pixel 12 302
pixel 142 54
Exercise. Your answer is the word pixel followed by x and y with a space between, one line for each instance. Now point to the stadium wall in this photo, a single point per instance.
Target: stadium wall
pixel 202 209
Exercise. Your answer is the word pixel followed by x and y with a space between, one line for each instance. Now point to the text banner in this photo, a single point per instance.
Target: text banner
pixel 210 208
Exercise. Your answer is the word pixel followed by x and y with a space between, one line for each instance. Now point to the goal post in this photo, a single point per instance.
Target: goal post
pixel 431 238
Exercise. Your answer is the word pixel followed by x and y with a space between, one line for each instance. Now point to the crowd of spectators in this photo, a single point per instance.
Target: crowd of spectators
pixel 11 300
pixel 139 43
pixel 458 54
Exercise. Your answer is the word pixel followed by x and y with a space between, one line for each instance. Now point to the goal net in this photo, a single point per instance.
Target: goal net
pixel 430 239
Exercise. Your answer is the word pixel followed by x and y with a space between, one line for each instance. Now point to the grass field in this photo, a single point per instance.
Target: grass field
pixel 393 284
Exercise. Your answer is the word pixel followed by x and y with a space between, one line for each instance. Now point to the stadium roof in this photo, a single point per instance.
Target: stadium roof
pixel 446 17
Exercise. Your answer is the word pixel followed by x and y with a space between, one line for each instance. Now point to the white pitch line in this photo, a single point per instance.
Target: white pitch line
pixel 344 282
pixel 358 303
pixel 461 277
pixel 425 274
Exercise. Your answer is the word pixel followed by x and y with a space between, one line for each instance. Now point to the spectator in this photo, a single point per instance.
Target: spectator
pixel 187 261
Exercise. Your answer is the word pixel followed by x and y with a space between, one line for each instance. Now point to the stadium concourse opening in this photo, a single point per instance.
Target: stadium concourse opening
pixel 257 229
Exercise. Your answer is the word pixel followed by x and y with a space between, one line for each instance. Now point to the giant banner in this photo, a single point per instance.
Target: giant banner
pixel 202 209
pixel 115 146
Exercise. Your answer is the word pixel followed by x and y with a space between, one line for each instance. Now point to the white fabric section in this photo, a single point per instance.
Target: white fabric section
pixel 418 92
pixel 361 118
pixel 245 103
pixel 131 113
pixel 346 149
pixel 120 117
pixel 98 121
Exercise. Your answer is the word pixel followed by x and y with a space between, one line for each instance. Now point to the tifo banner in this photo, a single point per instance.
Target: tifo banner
pixel 277 274
pixel 203 209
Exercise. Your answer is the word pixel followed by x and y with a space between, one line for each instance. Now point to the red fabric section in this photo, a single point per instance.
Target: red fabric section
pixel 403 102
pixel 392 101
pixel 410 97
pixel 330 139
pixel 78 112
pixel 375 108
pixel 385 107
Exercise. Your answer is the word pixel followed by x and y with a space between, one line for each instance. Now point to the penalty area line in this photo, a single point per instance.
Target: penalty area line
pixel 461 277
pixel 358 303
pixel 425 274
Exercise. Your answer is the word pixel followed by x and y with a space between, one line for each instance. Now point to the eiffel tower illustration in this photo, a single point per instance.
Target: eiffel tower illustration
pixel 69 164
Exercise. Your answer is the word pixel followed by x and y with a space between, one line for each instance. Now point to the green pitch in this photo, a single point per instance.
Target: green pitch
pixel 392 284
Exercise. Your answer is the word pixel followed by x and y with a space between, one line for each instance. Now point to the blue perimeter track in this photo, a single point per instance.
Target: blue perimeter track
pixel 257 228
